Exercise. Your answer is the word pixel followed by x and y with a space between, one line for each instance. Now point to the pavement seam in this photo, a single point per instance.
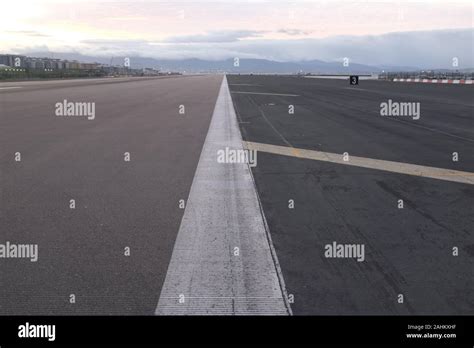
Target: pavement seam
pixel 272 248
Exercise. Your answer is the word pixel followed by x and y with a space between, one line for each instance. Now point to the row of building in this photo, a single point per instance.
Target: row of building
pixel 33 65
pixel 19 61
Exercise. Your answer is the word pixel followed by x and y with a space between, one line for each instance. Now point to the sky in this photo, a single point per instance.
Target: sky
pixel 277 30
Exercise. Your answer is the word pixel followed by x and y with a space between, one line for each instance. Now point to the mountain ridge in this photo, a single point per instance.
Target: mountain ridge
pixel 246 65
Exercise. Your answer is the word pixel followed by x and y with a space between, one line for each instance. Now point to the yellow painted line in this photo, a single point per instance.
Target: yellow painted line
pixel 388 166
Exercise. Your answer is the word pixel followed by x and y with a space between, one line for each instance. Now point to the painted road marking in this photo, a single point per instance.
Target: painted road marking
pixel 242 84
pixel 357 89
pixel 389 166
pixel 9 87
pixel 222 212
pixel 279 94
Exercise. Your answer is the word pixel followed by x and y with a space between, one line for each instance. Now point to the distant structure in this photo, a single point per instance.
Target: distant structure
pixel 19 61
pixel 9 60
pixel 16 66
pixel 438 74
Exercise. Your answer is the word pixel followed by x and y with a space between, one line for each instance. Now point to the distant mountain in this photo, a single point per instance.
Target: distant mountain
pixel 194 65
pixel 263 66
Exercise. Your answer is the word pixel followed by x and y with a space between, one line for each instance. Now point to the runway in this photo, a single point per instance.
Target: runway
pixel 118 204
pixel 312 197
pixel 129 209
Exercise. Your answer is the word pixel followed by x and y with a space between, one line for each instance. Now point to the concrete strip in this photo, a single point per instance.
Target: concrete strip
pixel 389 166
pixel 279 94
pixel 222 213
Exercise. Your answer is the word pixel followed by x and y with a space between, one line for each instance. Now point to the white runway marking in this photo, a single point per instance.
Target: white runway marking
pixel 9 87
pixel 279 94
pixel 243 84
pixel 389 166
pixel 223 212
pixel 357 89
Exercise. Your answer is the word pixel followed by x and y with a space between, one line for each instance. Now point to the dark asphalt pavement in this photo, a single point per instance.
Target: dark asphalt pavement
pixel 408 251
pixel 135 204
pixel 118 204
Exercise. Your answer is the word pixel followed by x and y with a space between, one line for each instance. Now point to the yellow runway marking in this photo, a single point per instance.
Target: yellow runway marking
pixel 389 166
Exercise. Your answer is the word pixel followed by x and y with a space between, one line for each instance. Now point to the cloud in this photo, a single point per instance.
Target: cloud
pixel 113 47
pixel 428 49
pixel 294 32
pixel 424 49
pixel 27 33
pixel 215 36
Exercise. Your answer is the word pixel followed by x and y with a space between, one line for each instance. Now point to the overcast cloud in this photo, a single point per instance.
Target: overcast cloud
pixel 404 33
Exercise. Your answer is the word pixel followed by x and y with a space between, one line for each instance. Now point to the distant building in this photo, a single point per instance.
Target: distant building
pixel 71 64
pixel 58 64
pixel 150 71
pixel 53 64
pixel 35 63
pixel 89 66
pixel 13 60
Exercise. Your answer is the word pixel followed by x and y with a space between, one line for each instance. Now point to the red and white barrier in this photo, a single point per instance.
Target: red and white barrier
pixel 461 82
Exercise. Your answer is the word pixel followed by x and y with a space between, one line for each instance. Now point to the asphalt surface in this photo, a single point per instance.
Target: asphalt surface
pixel 408 251
pixel 134 204
pixel 119 204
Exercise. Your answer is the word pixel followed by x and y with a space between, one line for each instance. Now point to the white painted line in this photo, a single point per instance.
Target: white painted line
pixel 283 95
pixel 243 84
pixel 357 89
pixel 223 212
pixel 9 87
pixel 389 166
